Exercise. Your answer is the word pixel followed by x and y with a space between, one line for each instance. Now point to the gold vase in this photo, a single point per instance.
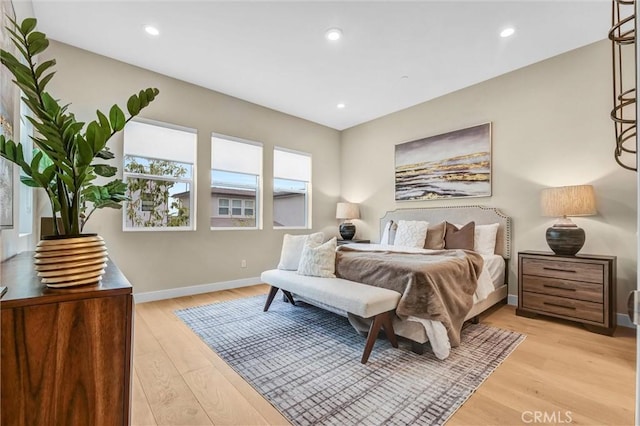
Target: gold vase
pixel 71 261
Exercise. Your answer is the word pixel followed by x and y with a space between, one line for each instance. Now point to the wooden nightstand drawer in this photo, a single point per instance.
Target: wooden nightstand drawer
pixel 577 271
pixel 572 308
pixel 564 288
pixel 580 288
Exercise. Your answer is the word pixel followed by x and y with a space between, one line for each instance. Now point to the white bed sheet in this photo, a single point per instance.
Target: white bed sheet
pixel 491 277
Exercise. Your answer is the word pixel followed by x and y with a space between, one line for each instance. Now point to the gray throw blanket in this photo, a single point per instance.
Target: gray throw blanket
pixel 438 286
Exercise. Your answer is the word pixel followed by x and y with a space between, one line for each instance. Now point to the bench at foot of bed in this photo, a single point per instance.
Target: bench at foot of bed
pixel 359 299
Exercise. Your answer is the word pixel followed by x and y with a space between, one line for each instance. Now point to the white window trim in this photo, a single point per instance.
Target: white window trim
pixel 258 209
pixel 309 191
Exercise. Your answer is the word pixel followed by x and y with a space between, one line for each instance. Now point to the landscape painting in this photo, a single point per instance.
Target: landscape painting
pixel 451 165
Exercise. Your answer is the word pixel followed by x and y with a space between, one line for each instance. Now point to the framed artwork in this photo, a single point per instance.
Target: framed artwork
pixel 7 111
pixel 451 165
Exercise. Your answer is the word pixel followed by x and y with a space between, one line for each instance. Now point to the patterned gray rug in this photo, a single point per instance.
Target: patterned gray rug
pixel 306 362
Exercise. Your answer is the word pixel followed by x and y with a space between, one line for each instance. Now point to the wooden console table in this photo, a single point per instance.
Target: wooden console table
pixel 66 354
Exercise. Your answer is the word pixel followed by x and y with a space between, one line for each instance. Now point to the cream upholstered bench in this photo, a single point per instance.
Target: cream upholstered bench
pixel 349 296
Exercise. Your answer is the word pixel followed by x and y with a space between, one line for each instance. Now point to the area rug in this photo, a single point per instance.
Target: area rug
pixel 306 362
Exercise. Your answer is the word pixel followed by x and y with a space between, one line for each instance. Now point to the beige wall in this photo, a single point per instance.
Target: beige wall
pixel 162 260
pixel 551 127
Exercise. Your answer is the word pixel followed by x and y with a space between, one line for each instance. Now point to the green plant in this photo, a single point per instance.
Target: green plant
pixel 64 164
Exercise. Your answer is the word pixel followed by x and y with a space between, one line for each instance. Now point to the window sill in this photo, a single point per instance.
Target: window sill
pixel 234 228
pixel 159 229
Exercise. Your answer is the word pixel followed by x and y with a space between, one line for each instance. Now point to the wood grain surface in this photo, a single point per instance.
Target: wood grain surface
pixel 560 367
pixel 66 362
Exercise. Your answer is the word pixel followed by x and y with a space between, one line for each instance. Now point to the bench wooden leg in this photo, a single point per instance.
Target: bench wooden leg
pixel 387 324
pixel 382 320
pixel 289 297
pixel 272 294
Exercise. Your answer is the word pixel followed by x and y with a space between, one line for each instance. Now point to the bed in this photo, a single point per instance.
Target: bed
pixel 496 265
pixel 493 271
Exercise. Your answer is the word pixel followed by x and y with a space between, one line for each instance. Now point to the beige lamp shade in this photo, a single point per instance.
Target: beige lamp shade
pixel 579 200
pixel 347 211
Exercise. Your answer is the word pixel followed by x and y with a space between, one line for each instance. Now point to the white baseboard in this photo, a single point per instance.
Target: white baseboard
pixel 170 293
pixel 622 319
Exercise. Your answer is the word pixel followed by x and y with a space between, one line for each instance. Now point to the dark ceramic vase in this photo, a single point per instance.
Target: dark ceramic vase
pixel 565 240
pixel 347 231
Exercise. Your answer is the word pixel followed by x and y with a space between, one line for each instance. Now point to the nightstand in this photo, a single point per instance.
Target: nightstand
pixel 354 241
pixel 579 288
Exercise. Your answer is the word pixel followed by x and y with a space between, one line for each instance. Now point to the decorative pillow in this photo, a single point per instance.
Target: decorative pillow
pixel 392 233
pixel 385 233
pixel 292 246
pixel 485 238
pixel 462 238
pixel 435 236
pixel 411 233
pixel 318 260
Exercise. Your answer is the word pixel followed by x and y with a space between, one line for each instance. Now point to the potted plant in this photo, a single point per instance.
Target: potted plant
pixel 66 163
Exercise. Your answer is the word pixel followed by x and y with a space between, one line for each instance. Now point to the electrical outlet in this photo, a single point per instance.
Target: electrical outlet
pixel 243 263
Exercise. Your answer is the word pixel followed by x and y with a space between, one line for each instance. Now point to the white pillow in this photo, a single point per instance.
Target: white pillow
pixel 318 260
pixel 484 238
pixel 411 233
pixel 385 233
pixel 292 246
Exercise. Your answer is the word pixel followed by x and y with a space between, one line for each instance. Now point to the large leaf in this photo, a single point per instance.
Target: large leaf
pixel 28 25
pixel 133 105
pixel 105 154
pixel 104 122
pixel 40 69
pixel 45 80
pixel 95 136
pixel 35 36
pixel 38 46
pixel 117 119
pixel 104 170
pixel 85 152
pixel 30 182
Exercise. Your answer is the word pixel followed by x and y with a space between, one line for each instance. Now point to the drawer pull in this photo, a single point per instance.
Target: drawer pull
pixel 558 287
pixel 559 270
pixel 559 306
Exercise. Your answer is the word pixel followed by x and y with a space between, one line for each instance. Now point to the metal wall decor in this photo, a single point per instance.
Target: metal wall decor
pixel 623 114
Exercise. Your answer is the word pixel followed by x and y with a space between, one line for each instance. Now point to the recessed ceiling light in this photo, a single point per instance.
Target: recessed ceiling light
pixel 151 30
pixel 340 106
pixel 507 32
pixel 333 34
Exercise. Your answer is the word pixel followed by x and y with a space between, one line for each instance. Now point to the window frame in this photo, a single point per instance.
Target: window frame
pixel 191 181
pixel 258 211
pixel 308 189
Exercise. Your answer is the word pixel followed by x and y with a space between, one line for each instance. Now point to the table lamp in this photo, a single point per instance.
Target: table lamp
pixel 565 237
pixel 347 211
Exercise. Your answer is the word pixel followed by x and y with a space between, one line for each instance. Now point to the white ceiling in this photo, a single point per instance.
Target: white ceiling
pixel 274 53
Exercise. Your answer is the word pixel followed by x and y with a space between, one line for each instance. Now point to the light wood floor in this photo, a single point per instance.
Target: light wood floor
pixel 559 368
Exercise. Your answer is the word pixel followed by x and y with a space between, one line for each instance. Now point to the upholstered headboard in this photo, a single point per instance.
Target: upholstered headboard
pixel 459 214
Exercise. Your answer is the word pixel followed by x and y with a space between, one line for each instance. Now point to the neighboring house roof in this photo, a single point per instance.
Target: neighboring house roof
pixel 249 193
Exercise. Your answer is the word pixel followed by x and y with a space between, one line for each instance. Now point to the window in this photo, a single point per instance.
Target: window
pixel 159 170
pixel 291 189
pixel 25 206
pixel 248 208
pixel 236 182
pixel 223 207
